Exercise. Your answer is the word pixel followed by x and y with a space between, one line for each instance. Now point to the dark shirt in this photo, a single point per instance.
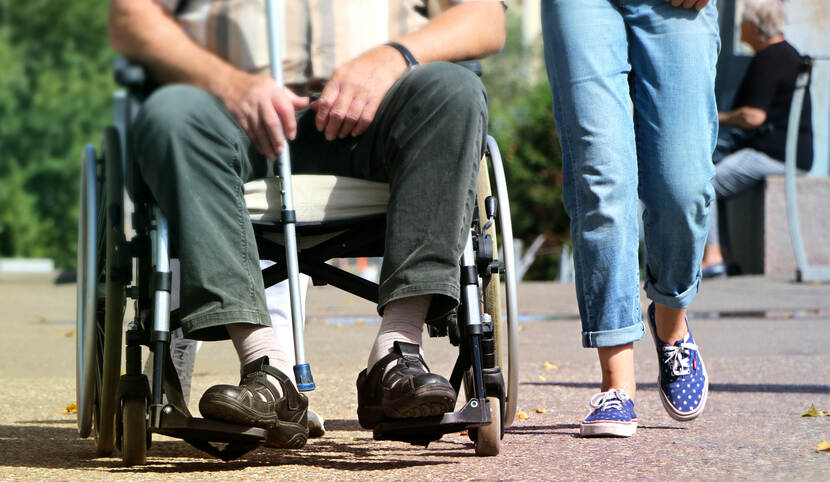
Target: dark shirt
pixel 768 84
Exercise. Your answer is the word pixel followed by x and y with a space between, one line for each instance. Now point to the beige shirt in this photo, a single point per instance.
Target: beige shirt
pixel 319 34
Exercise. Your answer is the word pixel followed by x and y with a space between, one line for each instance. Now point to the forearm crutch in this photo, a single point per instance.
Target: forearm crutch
pixel 302 370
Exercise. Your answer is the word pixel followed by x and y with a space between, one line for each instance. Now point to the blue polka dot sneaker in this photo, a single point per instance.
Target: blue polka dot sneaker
pixel 683 381
pixel 612 415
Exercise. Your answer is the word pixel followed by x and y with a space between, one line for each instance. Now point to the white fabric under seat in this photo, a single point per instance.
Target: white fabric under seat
pixel 318 198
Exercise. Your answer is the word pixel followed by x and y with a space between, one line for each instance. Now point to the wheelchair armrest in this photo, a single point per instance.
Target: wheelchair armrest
pixel 473 65
pixel 133 77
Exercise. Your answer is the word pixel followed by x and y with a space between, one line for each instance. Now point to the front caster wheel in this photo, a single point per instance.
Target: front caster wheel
pixel 488 438
pixel 134 431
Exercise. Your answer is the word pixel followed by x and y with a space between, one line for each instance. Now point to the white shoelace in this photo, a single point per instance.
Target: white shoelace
pixel 677 357
pixel 614 398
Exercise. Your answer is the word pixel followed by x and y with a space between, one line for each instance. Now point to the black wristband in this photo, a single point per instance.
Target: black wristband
pixel 411 62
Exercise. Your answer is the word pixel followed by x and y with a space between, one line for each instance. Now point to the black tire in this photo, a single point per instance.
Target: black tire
pixel 134 431
pixel 112 276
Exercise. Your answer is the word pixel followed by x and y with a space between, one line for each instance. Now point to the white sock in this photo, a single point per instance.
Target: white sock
pixel 254 341
pixel 403 320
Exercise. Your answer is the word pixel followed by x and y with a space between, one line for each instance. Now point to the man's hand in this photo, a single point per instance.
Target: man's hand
pixel 264 110
pixel 744 117
pixel 698 4
pixel 351 98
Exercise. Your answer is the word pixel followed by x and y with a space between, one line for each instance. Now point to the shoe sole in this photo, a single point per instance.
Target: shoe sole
pixel 673 412
pixel 685 416
pixel 280 434
pixel 426 402
pixel 607 429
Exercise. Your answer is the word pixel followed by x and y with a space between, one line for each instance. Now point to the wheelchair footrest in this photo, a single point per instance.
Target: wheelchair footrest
pixel 201 433
pixel 422 431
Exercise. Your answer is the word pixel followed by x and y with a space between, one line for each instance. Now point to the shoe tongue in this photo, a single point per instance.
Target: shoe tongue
pixel 408 350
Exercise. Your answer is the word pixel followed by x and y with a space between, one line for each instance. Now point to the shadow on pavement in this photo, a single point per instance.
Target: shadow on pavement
pixel 714 387
pixel 569 429
pixel 55 444
pixel 344 425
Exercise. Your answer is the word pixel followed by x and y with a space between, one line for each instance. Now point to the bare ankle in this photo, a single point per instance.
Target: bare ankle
pixel 670 323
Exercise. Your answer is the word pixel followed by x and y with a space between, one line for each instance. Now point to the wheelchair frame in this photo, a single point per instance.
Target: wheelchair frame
pixel 124 411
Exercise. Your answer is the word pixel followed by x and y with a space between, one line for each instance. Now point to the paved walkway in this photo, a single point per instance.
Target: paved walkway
pixel 765 371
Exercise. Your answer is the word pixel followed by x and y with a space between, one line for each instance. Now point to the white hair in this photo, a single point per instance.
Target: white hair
pixel 769 16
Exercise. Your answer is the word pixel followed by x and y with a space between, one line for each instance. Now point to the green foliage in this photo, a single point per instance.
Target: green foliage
pixel 522 122
pixel 55 90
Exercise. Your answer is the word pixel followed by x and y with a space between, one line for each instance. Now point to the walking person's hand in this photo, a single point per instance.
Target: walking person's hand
pixel 697 4
pixel 264 110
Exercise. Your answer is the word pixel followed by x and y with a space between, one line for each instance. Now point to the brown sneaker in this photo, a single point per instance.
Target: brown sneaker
pixel 256 402
pixel 406 390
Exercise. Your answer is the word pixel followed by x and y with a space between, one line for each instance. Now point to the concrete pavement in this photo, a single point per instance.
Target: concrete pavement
pixel 765 371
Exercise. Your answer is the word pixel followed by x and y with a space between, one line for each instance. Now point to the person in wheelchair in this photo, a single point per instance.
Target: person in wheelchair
pixel 397 112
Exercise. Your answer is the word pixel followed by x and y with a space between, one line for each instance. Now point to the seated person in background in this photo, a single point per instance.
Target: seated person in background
pixel 753 135
pixel 210 129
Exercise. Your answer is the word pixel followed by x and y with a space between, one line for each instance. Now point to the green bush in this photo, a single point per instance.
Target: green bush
pixel 55 90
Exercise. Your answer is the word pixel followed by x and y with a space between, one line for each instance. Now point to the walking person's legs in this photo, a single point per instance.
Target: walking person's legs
pixel 673 53
pixel 586 53
pixel 590 49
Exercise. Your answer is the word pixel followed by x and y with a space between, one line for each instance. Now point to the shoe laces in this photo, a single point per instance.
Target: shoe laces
pixel 678 357
pixel 614 398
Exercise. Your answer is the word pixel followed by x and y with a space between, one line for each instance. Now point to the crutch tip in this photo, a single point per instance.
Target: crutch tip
pixel 302 374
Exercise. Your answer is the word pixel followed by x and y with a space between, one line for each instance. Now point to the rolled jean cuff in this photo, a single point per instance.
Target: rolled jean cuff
pixel 676 301
pixel 211 326
pixel 615 337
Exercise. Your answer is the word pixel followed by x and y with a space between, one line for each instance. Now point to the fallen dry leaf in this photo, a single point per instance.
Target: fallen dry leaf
pixel 812 412
pixel 542 378
pixel 360 322
pixel 541 410
pixel 522 415
pixel 69 333
pixel 550 366
pixel 824 446
pixel 71 408
pixel 521 328
pixel 463 433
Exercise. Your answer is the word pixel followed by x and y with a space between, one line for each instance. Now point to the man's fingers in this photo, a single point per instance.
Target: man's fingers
pixel 366 117
pixel 352 116
pixel 677 3
pixel 256 139
pixel 701 3
pixel 296 101
pixel 324 105
pixel 271 129
pixel 337 115
pixel 285 111
pixel 689 3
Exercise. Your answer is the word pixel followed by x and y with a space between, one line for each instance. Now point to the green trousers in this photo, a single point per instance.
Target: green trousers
pixel 426 142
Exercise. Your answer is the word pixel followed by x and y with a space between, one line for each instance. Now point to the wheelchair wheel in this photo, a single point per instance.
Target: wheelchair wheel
pixel 101 287
pixel 88 236
pixel 133 421
pixel 510 283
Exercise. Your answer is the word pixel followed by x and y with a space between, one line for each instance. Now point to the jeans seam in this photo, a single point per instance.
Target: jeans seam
pixel 241 212
pixel 575 219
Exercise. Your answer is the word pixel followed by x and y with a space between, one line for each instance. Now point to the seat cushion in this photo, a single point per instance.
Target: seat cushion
pixel 318 198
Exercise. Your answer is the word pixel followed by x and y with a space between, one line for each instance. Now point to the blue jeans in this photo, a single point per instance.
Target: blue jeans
pixel 633 88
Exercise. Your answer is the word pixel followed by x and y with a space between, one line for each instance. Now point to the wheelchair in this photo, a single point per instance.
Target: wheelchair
pixel 117 263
